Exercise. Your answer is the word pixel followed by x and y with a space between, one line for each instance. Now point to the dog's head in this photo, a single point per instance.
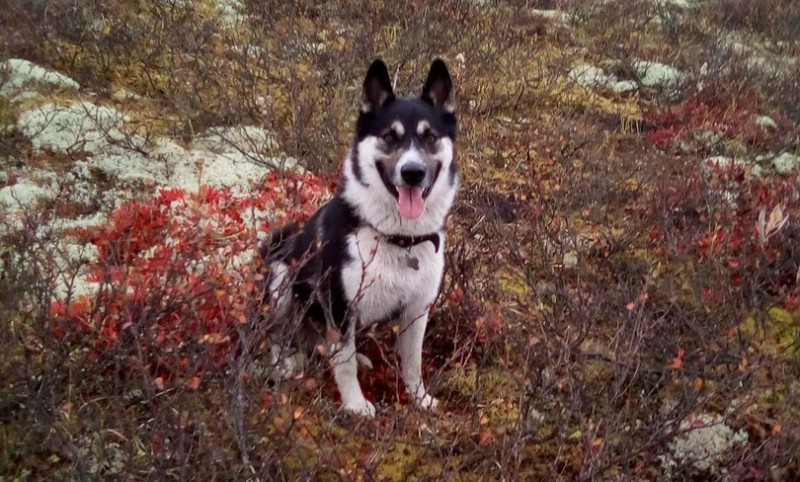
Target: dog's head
pixel 401 174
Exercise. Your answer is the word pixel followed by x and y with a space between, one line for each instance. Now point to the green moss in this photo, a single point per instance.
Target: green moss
pixel 493 388
pixel 777 334
pixel 515 283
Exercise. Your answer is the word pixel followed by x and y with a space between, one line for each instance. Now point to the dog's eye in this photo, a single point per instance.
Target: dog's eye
pixel 430 137
pixel 390 137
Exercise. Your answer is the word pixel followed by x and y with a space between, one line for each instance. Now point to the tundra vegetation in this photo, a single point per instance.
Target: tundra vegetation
pixel 621 298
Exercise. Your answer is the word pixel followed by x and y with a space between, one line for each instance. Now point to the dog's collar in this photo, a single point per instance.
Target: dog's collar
pixel 409 241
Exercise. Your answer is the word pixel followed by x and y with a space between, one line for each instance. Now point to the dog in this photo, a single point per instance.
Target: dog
pixel 375 251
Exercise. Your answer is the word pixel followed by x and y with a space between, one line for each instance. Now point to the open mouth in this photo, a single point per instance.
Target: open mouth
pixel 411 201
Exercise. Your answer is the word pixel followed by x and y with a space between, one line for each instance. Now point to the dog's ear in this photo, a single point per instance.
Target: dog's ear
pixel 438 88
pixel 377 88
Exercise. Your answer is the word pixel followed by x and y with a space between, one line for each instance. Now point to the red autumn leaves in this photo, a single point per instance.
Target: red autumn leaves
pixel 177 273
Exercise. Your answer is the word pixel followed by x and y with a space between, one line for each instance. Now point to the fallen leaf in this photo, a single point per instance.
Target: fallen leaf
pixel 677 362
pixel 193 383
pixel 776 220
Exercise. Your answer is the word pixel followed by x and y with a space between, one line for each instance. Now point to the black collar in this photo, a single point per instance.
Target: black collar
pixel 409 241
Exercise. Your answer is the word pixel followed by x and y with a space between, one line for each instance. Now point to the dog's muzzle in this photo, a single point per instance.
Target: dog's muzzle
pixel 413 173
pixel 411 190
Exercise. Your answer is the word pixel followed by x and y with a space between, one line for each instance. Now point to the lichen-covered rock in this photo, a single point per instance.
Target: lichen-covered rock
pixel 80 127
pixel 553 14
pixel 233 158
pixel 237 138
pixel 702 442
pixel 715 164
pixel 241 145
pixel 18 75
pixel 23 195
pixel 675 3
pixel 231 12
pixel 593 77
pixel 658 75
pixel 785 163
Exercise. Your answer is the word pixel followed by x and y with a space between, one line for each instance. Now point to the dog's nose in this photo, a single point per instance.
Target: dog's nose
pixel 413 173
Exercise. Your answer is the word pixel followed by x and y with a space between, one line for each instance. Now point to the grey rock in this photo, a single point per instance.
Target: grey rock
pixel 658 75
pixel 82 126
pixel 593 77
pixel 21 75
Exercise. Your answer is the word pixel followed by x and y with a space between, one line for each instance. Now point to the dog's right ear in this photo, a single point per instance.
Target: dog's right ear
pixel 377 88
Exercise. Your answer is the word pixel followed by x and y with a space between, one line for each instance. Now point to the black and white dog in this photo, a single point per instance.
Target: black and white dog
pixel 375 252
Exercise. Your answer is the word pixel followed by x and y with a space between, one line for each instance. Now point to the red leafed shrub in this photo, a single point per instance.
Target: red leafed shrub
pixel 177 274
pixel 713 110
pixel 749 236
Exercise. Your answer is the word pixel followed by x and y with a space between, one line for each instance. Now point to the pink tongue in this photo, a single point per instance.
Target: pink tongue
pixel 410 202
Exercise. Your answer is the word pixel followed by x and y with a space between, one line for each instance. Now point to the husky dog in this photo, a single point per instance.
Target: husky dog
pixel 375 252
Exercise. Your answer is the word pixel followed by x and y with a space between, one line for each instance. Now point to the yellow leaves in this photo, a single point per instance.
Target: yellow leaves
pixel 627 109
pixel 743 364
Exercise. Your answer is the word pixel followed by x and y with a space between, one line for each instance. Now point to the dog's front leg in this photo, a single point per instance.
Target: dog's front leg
pixel 345 371
pixel 409 347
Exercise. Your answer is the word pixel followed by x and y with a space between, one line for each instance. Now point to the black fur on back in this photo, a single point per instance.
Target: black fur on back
pixel 316 263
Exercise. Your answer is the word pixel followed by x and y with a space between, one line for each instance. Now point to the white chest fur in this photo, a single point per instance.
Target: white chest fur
pixel 382 277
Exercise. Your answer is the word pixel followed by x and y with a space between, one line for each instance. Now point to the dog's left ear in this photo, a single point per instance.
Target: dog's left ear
pixel 438 88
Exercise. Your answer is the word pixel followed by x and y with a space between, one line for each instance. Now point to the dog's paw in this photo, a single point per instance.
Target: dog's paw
pixel 427 402
pixel 363 407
